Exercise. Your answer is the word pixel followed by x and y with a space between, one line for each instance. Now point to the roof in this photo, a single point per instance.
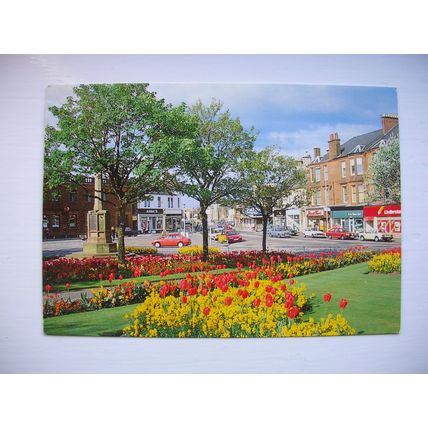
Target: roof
pixel 363 143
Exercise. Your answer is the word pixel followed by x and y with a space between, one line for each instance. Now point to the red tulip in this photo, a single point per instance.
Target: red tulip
pixel 289 300
pixel 327 297
pixel 256 302
pixel 228 301
pixel 204 291
pixel 48 288
pixel 100 276
pixel 183 299
pixel 192 291
pixel 121 277
pixel 256 284
pixel 290 275
pixel 67 285
pixel 269 300
pixel 343 303
pixel 293 312
pixel 206 311
pixel 291 281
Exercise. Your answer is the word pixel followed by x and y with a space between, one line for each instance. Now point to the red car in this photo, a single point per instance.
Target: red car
pixel 233 236
pixel 172 240
pixel 339 233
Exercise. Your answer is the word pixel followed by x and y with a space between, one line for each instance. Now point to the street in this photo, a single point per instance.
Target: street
pixel 252 241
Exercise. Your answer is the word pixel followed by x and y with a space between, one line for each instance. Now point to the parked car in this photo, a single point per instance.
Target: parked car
pixel 171 240
pixel 375 236
pixel 130 232
pixel 313 233
pixel 340 233
pixel 232 236
pixel 215 232
pixel 293 232
pixel 279 233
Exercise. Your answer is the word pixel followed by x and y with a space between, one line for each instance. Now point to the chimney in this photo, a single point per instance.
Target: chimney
pixel 317 152
pixel 333 146
pixel 388 122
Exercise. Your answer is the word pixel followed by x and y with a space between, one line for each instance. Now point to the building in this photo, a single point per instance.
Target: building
pixel 220 215
pixel 64 216
pixel 337 182
pixel 160 212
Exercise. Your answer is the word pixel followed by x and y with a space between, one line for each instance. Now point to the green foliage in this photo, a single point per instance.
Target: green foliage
pixel 121 132
pixel 384 174
pixel 267 181
pixel 207 162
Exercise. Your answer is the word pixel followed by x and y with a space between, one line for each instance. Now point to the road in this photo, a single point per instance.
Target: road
pixel 252 241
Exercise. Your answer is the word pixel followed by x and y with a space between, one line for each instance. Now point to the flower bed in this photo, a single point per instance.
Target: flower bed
pixel 144 251
pixel 126 293
pixel 197 250
pixel 386 262
pixel 71 270
pixel 230 305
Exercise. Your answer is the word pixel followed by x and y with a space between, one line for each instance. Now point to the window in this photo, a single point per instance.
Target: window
pixel 353 194
pixel 146 204
pixel 344 194
pixel 311 172
pixel 359 166
pixel 45 221
pixel 55 221
pixel 172 202
pixel 72 221
pixel 73 196
pixel 361 193
pixel 317 198
pixel 90 198
pixel 159 201
pixel 317 174
pixel 103 196
pixel 352 164
pixel 88 180
pixel 343 169
pixel 326 198
pixel 178 202
pixel 325 173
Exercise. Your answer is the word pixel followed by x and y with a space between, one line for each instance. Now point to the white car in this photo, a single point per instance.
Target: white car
pixel 313 233
pixel 375 236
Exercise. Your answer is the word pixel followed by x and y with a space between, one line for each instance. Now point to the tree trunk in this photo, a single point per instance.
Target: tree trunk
pixel 265 223
pixel 204 218
pixel 121 235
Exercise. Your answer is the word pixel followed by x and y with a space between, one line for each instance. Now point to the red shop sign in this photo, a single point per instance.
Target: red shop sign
pixel 382 211
pixel 315 213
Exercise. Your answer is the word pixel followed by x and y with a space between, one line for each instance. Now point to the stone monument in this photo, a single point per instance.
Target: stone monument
pixel 98 227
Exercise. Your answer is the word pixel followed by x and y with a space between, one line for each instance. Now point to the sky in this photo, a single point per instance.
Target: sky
pixel 294 118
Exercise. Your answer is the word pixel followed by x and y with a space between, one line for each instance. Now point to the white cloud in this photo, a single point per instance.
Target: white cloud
pixel 296 143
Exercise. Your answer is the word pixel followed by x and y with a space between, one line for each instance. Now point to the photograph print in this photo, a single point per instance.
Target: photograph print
pixel 212 210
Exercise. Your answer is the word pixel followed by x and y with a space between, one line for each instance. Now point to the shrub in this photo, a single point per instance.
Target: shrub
pixel 143 251
pixel 196 250
pixel 387 262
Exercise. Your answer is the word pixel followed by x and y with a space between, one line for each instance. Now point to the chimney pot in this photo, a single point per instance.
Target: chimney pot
pixel 334 146
pixel 388 122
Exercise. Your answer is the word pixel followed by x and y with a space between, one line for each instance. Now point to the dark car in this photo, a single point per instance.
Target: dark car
pixel 130 232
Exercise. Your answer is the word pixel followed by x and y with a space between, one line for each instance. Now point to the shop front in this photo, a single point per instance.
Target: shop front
pixel 174 219
pixel 383 218
pixel 317 219
pixel 349 218
pixel 150 220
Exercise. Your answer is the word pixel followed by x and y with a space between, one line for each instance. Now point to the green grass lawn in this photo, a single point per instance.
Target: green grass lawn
pixel 373 308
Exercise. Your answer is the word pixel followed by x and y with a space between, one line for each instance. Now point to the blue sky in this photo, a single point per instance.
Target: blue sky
pixel 295 118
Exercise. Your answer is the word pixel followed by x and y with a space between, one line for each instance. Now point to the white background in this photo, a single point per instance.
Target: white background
pixel 24 348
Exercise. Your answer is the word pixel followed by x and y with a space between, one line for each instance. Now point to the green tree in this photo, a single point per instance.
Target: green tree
pixel 122 132
pixel 383 175
pixel 207 163
pixel 268 181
